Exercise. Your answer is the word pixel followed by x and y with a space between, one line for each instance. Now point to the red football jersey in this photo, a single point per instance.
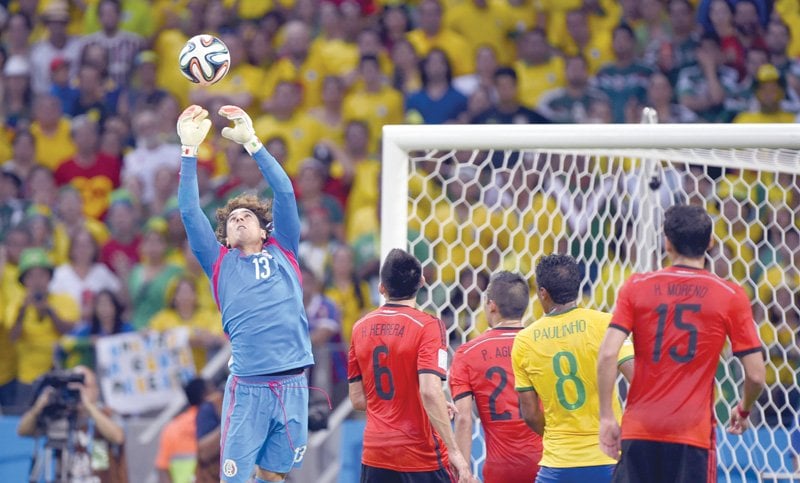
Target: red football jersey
pixel 390 347
pixel 482 369
pixel 679 318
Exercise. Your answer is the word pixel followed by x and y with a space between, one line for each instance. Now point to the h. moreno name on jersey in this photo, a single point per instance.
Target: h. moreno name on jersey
pixel 558 331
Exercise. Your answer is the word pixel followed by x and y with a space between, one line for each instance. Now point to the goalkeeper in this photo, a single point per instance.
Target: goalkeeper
pixel 256 283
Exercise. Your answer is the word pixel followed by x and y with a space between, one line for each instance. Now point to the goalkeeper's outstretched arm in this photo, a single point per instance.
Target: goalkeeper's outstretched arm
pixel 193 126
pixel 286 220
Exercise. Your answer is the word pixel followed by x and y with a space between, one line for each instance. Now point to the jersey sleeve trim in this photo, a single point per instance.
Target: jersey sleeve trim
pixel 748 351
pixel 215 274
pixel 620 328
pixel 525 389
pixel 442 375
pixel 354 379
pixel 290 256
pixel 624 360
pixel 462 395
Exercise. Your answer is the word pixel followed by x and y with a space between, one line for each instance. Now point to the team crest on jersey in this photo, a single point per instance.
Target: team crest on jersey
pixel 229 468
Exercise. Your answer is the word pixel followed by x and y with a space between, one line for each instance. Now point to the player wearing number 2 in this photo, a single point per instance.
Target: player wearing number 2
pixel 397 362
pixel 555 360
pixel 679 318
pixel 482 372
pixel 256 282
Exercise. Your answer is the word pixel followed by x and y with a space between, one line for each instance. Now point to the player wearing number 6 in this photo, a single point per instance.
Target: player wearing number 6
pixel 256 282
pixel 397 362
pixel 555 361
pixel 679 318
pixel 482 372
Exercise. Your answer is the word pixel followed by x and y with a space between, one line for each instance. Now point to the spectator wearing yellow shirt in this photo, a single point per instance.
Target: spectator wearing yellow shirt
pixel 538 68
pixel 184 310
pixel 769 91
pixel 47 232
pixel 335 43
pixel 52 132
pixel 298 64
pixel 363 176
pixel 526 15
pixel 592 45
pixel 407 74
pixel 483 22
pixel 36 320
pixel 168 41
pixel 149 279
pixel 431 33
pixel 376 103
pixel 369 43
pixel 349 292
pixel 288 120
pixel 329 114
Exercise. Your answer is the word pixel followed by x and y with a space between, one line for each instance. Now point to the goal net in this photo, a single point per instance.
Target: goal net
pixel 469 200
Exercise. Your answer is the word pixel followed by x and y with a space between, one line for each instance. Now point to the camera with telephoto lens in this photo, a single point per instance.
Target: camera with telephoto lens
pixel 61 411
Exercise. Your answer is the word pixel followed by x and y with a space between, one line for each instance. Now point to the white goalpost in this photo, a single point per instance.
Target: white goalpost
pixel 469 200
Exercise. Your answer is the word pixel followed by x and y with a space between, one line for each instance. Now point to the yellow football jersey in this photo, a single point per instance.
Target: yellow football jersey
pixel 557 357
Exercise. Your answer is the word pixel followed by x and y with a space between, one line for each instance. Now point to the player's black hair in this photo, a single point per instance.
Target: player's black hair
pixel 688 228
pixel 401 275
pixel 510 292
pixel 196 391
pixel 560 276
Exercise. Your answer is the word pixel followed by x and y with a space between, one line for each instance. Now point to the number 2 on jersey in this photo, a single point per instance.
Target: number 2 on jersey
pixel 570 376
pixel 262 267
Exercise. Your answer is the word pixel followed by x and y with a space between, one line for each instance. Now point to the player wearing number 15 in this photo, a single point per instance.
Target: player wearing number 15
pixel 555 360
pixel 679 318
pixel 256 282
pixel 397 362
pixel 482 372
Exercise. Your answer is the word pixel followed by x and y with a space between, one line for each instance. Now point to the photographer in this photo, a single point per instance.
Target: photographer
pixel 38 319
pixel 97 440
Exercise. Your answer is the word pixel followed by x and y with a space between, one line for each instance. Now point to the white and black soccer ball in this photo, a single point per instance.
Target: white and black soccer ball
pixel 204 59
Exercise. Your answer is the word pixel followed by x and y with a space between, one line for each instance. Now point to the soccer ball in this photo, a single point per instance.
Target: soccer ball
pixel 204 59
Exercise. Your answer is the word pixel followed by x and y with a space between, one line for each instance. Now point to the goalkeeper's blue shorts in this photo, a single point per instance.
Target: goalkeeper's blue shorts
pixel 264 423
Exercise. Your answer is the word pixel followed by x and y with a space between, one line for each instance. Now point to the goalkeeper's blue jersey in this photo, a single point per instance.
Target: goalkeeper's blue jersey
pixel 260 296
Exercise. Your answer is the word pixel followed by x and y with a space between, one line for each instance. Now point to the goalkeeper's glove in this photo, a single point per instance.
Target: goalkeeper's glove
pixel 242 131
pixel 193 125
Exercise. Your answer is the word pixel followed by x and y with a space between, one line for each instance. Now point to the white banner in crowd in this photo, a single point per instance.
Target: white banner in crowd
pixel 144 371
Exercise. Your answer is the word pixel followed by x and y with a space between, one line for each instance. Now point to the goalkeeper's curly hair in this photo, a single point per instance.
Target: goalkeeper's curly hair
pixel 261 208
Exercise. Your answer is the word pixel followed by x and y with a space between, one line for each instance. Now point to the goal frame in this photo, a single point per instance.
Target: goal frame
pixel 399 140
pixel 719 145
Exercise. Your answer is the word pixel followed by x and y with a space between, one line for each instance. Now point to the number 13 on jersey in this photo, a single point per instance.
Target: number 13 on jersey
pixel 261 264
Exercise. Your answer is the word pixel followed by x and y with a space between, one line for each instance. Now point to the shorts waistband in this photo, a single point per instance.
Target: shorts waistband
pixel 267 378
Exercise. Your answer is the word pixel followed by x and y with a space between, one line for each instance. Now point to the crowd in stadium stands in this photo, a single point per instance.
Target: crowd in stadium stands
pixel 92 242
